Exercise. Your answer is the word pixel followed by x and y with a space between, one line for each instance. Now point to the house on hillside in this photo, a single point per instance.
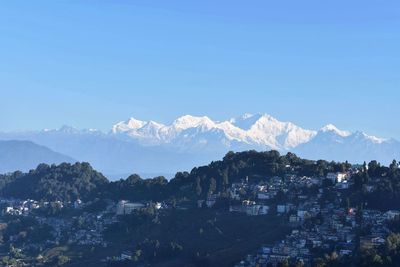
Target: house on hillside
pixel 337 177
pixel 125 207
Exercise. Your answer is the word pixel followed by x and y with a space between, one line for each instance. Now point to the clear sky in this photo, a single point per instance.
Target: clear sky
pixel 91 64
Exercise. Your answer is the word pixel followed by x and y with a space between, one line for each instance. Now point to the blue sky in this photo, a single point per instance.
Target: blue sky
pixel 92 63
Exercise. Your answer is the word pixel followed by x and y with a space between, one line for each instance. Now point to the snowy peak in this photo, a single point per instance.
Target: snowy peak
pixel 249 131
pixel 134 123
pixel 188 121
pixel 153 124
pixel 375 139
pixel 246 120
pixel 195 140
pixel 258 131
pixel 279 135
pixel 333 129
pixel 330 128
pixel 370 138
pixel 268 123
pixel 125 126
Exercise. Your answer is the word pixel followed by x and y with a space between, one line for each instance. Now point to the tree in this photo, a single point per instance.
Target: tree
pixel 320 262
pixel 229 155
pixel 393 168
pixel 198 187
pixel 284 263
pixel 62 260
pixel 225 179
pixel 213 186
pixel 64 182
pixel 393 242
pixel 321 168
pixel 373 168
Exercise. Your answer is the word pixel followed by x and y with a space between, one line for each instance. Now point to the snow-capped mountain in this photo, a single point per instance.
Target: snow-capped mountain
pixel 258 131
pixel 331 143
pixel 330 128
pixel 148 146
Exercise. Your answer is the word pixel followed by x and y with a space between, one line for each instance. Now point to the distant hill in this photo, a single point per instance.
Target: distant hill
pixel 115 157
pixel 26 155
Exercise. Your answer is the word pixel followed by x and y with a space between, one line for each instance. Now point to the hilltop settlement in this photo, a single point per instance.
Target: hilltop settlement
pixel 249 209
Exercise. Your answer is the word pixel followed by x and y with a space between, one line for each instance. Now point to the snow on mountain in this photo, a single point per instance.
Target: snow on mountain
pixel 258 131
pixel 333 128
pixel 333 144
pixel 246 120
pixel 149 146
pixel 128 125
pixel 374 139
pixel 189 121
pixel 233 132
pixel 262 131
pixel 276 134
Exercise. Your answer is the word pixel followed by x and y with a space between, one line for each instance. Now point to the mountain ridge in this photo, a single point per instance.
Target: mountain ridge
pixel 147 146
pixel 26 155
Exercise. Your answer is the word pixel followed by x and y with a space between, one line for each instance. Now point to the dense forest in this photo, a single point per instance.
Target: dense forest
pixel 64 182
pixel 217 177
pixel 67 182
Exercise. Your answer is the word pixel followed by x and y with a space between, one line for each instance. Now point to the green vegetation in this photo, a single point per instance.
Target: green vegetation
pixel 67 182
pixel 64 182
pixel 182 234
pixel 217 177
pixel 202 237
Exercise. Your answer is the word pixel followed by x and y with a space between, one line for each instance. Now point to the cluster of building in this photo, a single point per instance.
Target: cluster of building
pixel 256 198
pixel 376 223
pixel 335 231
pixel 333 227
pixel 19 207
pixel 81 228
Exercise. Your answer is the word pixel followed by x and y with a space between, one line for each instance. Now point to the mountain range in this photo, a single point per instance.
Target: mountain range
pixel 151 147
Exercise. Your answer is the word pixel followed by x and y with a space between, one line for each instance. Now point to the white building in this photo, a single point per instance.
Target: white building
pixel 77 204
pixel 337 177
pixel 125 207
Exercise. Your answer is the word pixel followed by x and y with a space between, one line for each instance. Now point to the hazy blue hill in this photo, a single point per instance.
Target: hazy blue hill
pixel 113 156
pixel 26 155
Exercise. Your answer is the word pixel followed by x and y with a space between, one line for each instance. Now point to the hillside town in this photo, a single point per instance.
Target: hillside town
pixel 317 210
pixel 319 225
